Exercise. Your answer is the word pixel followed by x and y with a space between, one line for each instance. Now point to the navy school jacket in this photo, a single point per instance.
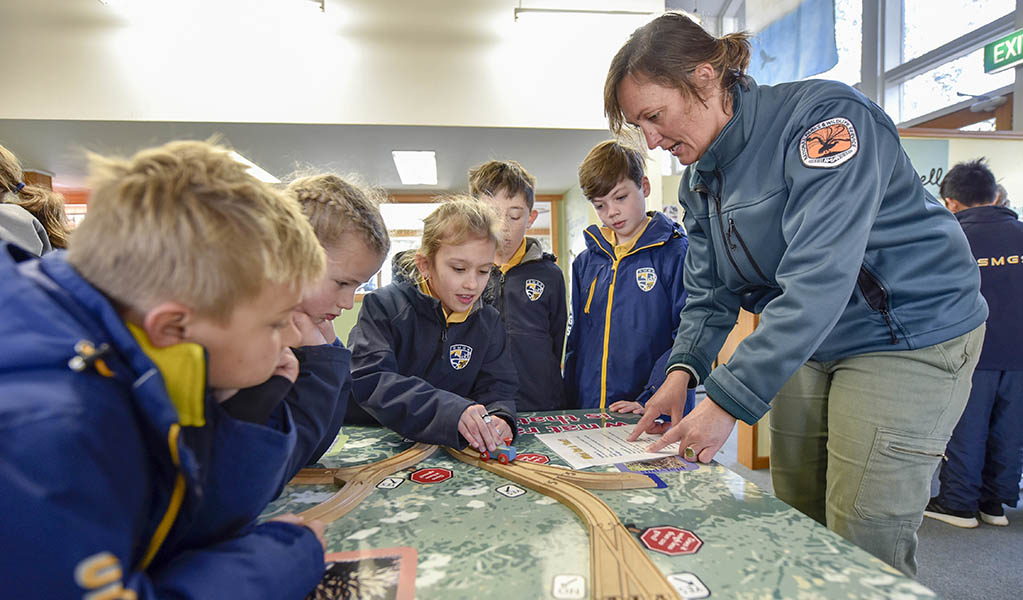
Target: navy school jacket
pixel 531 300
pixel 317 401
pixel 416 374
pixel 619 352
pixel 996 240
pixel 92 465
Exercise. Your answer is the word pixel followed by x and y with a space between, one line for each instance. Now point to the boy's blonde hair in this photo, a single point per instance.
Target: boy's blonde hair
pixel 457 220
pixel 335 206
pixel 607 164
pixel 45 205
pixel 186 222
pixel 491 177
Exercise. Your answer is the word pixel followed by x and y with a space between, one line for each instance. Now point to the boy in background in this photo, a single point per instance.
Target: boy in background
pixel 121 475
pixel 527 287
pixel 626 288
pixel 983 465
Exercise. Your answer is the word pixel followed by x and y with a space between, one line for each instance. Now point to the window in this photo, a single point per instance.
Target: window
pixel 928 24
pixel 938 87
pixel 849 38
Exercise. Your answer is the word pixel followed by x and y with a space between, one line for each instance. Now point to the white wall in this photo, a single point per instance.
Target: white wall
pixel 402 62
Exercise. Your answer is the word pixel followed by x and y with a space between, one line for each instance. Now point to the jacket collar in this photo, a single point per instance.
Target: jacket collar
pixel 425 302
pixel 658 231
pixel 95 312
pixel 986 214
pixel 732 138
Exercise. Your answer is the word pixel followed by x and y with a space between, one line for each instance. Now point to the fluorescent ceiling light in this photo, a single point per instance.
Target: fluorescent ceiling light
pixel 416 167
pixel 254 169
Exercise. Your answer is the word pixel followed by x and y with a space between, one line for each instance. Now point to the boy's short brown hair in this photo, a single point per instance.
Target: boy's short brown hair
pixel 608 163
pixel 186 222
pixel 491 177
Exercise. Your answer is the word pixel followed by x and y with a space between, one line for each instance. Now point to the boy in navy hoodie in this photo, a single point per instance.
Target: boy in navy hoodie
pixel 122 474
pixel 429 359
pixel 627 289
pixel 983 467
pixel 526 286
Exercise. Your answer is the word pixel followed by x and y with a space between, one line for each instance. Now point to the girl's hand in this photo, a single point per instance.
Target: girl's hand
pixel 287 365
pixel 312 334
pixel 627 406
pixel 480 429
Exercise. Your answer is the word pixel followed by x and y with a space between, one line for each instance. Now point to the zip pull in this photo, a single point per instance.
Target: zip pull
pixel 731 229
pixel 87 355
pixel 891 328
pixel 444 333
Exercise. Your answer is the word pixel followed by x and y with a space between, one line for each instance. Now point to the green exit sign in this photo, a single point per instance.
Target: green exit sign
pixel 1004 53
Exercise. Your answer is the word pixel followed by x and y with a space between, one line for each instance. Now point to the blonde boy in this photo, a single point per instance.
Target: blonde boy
pixel 527 286
pixel 122 476
pixel 616 355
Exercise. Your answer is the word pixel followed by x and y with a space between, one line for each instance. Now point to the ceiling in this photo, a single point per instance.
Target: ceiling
pixel 551 155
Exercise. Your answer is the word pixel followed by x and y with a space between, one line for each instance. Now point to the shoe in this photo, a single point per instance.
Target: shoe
pixel 992 513
pixel 960 518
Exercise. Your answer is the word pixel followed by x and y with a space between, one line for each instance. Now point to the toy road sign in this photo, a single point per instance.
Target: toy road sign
pixel 530 457
pixel 432 475
pixel 671 541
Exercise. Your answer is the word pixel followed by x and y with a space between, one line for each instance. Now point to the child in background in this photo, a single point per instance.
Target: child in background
pixel 122 475
pixel 626 288
pixel 45 227
pixel 429 359
pixel 527 287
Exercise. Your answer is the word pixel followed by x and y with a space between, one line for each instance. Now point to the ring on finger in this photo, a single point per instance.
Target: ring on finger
pixel 487 419
pixel 689 454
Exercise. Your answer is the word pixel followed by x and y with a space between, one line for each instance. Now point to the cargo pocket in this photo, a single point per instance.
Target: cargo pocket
pixel 897 477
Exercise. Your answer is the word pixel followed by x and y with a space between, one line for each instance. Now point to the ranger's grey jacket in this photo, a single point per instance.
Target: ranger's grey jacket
pixel 806 209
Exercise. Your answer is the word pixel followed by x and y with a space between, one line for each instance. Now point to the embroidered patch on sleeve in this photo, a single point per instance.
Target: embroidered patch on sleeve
pixel 828 143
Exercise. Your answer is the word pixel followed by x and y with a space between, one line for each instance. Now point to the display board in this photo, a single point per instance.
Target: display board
pixel 444 528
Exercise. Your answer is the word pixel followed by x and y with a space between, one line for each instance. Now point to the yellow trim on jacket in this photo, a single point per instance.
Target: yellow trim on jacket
pixel 183 368
pixel 453 317
pixel 515 258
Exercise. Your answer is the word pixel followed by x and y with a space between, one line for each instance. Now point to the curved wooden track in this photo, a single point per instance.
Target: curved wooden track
pixel 619 568
pixel 358 481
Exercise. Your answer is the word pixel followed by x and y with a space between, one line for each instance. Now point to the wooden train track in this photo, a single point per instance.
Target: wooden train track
pixel 619 567
pixel 358 482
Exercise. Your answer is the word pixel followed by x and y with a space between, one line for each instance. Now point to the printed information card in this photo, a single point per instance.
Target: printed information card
pixel 605 446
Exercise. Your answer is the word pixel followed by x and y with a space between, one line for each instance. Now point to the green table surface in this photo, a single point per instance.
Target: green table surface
pixel 470 541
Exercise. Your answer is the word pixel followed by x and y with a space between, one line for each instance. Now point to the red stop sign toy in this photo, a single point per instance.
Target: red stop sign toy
pixel 432 475
pixel 530 457
pixel 671 541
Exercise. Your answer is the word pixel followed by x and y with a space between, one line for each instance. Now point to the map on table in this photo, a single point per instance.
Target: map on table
pixel 476 534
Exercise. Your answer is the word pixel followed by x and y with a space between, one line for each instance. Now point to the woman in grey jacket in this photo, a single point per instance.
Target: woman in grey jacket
pixel 802 206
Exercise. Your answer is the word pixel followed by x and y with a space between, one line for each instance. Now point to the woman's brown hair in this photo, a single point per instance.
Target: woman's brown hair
pixel 665 51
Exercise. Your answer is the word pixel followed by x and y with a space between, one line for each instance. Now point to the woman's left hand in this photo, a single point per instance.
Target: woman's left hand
pixel 705 430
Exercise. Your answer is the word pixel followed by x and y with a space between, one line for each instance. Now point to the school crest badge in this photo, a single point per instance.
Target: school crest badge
pixel 460 355
pixel 534 289
pixel 646 278
pixel 828 143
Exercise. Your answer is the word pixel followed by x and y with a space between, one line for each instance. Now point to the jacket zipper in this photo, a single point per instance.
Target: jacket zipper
pixel 882 305
pixel 732 229
pixel 725 239
pixel 500 294
pixel 440 342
